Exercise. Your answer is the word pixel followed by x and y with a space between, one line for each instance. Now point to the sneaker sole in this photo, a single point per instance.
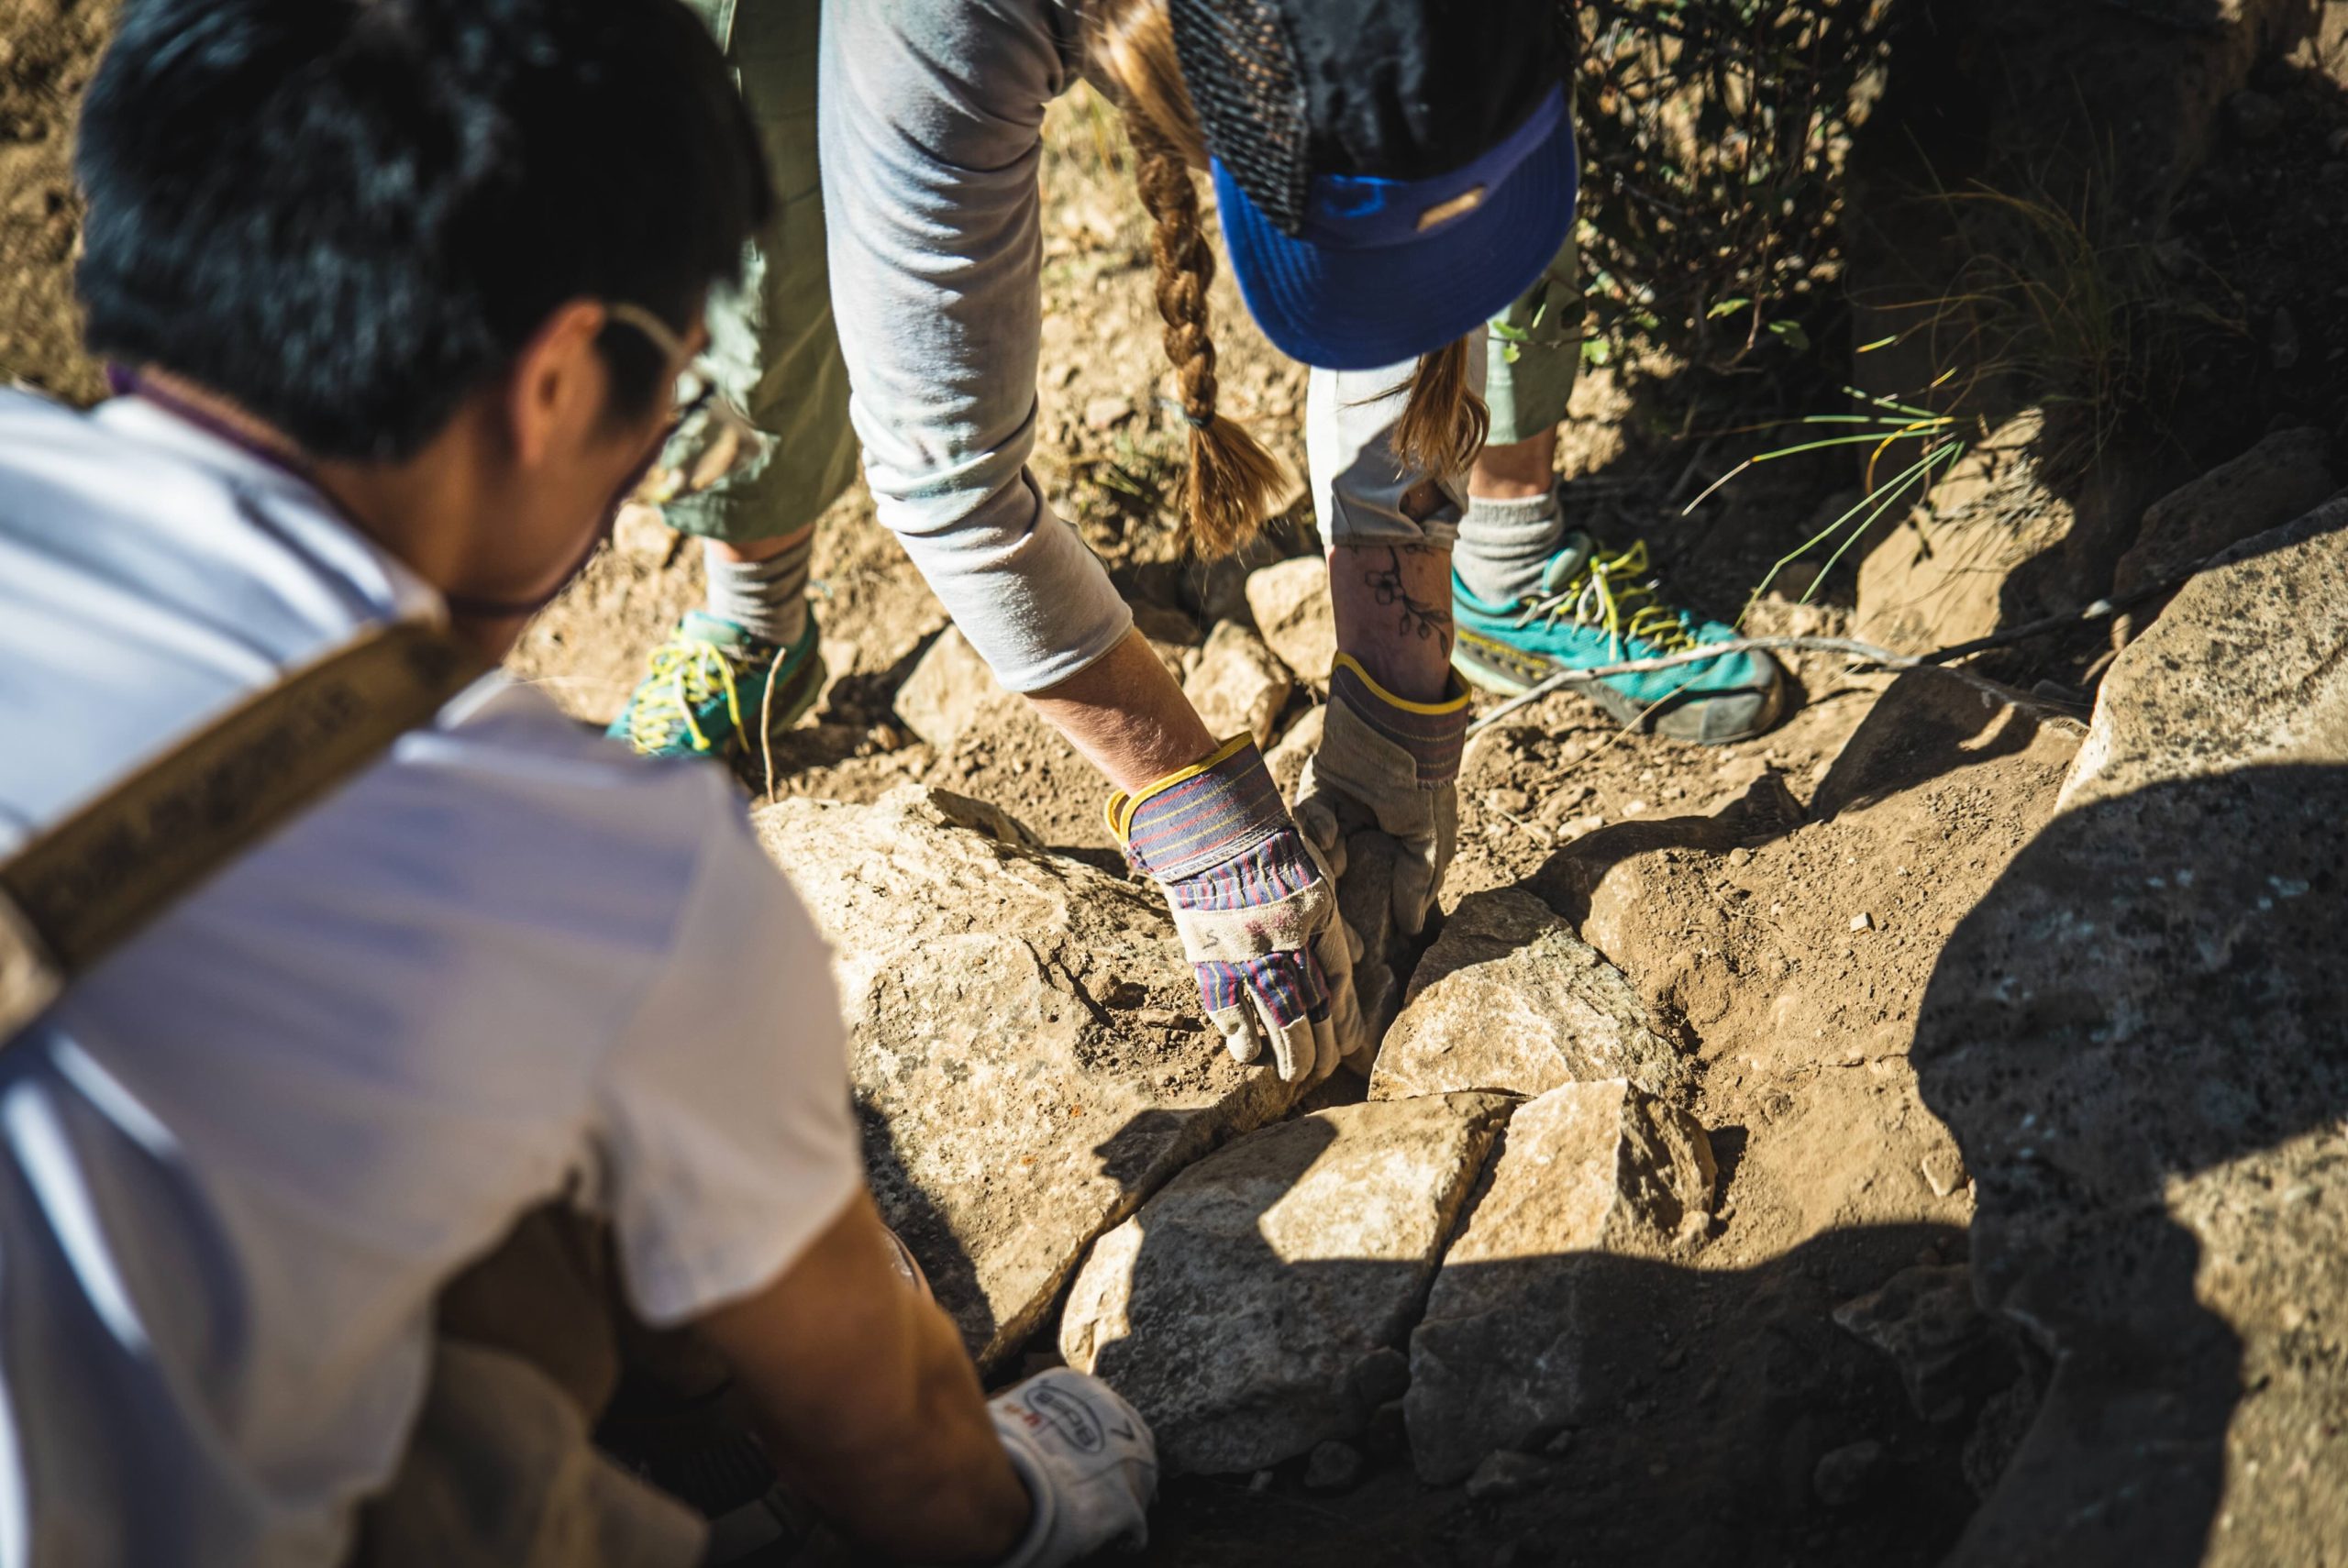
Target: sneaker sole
pixel 1493 666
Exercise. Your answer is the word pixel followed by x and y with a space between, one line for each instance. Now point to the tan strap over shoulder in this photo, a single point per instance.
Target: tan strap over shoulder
pixel 75 893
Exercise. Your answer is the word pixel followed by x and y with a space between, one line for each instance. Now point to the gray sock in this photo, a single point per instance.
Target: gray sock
pixel 1504 545
pixel 767 599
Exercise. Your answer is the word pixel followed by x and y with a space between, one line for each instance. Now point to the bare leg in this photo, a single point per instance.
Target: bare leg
pixel 1516 472
pixel 750 551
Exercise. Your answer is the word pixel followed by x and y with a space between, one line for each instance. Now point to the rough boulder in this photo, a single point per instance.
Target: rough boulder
pixel 1026 1053
pixel 1510 998
pixel 1514 1342
pixel 1256 1308
pixel 2136 1039
pixel 1291 603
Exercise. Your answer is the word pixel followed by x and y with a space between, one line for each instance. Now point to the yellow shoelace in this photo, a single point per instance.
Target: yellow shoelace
pixel 1618 592
pixel 685 673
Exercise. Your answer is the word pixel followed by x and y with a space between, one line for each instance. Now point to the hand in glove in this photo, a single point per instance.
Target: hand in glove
pixel 1089 1462
pixel 1394 766
pixel 1256 906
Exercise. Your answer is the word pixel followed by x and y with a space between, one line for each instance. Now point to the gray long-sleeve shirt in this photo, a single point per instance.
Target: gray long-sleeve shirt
pixel 932 115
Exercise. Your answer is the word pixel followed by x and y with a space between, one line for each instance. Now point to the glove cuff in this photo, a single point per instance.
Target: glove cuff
pixel 1203 816
pixel 1040 1498
pixel 1433 734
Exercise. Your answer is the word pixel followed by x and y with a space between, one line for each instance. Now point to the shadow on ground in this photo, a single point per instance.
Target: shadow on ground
pixel 2135 1040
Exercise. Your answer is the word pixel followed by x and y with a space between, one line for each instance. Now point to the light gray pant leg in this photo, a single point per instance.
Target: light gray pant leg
pixel 1357 482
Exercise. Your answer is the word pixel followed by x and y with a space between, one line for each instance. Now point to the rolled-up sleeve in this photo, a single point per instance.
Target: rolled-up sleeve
pixel 1358 482
pixel 931 117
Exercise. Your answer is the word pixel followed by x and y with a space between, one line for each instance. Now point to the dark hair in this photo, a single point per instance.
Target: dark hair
pixel 349 215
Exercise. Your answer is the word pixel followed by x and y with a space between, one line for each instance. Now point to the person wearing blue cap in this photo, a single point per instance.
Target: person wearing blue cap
pixel 1391 176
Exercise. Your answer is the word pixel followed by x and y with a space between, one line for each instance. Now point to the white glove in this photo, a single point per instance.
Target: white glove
pixel 1088 1461
pixel 1392 765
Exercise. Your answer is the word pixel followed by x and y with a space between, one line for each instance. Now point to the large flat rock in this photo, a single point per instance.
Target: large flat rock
pixel 2283 477
pixel 2244 667
pixel 1517 1323
pixel 2137 1039
pixel 1508 997
pixel 1028 1059
pixel 1257 1307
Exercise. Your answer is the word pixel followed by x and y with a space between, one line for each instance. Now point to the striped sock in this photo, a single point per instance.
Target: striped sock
pixel 767 599
pixel 1504 545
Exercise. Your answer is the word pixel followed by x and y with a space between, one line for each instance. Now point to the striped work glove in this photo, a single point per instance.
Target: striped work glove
pixel 1390 764
pixel 1256 906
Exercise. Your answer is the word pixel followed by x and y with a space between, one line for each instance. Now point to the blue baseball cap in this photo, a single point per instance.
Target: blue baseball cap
pixel 1391 174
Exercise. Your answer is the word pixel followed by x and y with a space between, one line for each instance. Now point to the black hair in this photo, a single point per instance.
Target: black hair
pixel 347 214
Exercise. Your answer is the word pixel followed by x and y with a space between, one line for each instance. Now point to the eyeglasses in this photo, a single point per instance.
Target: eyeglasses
pixel 708 439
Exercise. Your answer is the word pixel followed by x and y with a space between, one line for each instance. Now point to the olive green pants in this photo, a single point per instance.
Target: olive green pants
pixel 775 352
pixel 772 345
pixel 1535 355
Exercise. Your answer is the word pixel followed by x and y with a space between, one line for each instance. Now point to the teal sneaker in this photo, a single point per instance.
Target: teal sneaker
pixel 1598 607
pixel 713 685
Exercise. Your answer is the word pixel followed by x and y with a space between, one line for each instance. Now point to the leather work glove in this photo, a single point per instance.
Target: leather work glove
pixel 1394 766
pixel 1256 906
pixel 1088 1461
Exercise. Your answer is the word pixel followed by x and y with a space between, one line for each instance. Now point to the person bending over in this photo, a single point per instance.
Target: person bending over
pixel 1390 174
pixel 400 293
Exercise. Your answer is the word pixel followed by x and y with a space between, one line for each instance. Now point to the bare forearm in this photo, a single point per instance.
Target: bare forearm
pixel 869 1405
pixel 928 1481
pixel 1128 716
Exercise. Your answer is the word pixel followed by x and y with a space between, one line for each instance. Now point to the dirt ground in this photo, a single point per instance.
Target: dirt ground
pixel 46 50
pixel 1786 897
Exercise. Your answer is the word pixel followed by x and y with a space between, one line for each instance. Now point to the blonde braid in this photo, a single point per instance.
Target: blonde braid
pixel 1234 482
pixel 1444 424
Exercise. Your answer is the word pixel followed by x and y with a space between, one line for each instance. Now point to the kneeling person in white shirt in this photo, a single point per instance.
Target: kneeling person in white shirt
pixel 400 291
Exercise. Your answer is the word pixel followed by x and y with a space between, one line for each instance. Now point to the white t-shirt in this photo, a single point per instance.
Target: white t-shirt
pixel 237 1163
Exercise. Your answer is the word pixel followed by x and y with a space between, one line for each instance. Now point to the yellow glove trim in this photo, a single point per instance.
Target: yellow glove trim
pixel 1121 806
pixel 1448 705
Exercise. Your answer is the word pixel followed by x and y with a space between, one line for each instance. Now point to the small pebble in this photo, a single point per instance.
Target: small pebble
pixel 2254 116
pixel 1107 413
pixel 1506 1473
pixel 1945 1174
pixel 1844 1475
pixel 1863 922
pixel 1387 1436
pixel 1333 1467
pixel 1382 1377
pixel 1740 855
pixel 2283 340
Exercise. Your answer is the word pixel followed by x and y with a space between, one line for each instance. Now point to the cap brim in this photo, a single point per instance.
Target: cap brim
pixel 1346 309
